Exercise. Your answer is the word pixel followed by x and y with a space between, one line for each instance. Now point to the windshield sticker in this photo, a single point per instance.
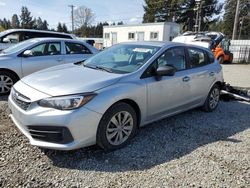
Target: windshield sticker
pixel 143 50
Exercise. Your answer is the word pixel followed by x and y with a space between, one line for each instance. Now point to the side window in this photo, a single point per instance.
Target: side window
pixel 75 48
pixel 174 57
pixel 45 49
pixel 12 38
pixel 211 57
pixel 197 57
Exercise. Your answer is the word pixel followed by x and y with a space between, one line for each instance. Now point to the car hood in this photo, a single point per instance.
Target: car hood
pixel 70 79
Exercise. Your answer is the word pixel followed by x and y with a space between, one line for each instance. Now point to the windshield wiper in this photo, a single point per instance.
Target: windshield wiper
pixel 98 67
pixel 104 68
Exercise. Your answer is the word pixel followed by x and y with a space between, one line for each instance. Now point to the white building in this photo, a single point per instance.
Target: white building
pixel 160 31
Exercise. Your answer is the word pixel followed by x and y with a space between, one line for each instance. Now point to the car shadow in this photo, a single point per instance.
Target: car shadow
pixel 4 98
pixel 162 141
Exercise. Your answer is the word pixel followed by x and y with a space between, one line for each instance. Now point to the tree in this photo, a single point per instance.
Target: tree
pixel 59 27
pixel 182 12
pixel 120 23
pixel 244 18
pixel 64 28
pixel 45 25
pixel 39 23
pixel 1 28
pixel 15 23
pixel 83 17
pixel 26 18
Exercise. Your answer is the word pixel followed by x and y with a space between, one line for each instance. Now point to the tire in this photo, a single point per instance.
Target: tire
pixel 221 59
pixel 113 135
pixel 7 80
pixel 212 99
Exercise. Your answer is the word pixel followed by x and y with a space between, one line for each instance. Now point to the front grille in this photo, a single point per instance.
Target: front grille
pixel 21 100
pixel 54 134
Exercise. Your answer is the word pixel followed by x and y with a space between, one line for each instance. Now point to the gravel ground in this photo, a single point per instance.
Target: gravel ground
pixel 193 149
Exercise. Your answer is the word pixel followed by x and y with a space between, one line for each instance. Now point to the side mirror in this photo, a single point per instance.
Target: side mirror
pixel 6 40
pixel 165 71
pixel 27 53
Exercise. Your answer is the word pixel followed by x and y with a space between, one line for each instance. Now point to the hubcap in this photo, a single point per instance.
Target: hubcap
pixel 119 128
pixel 5 83
pixel 214 98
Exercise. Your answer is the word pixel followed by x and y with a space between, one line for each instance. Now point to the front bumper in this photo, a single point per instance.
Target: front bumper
pixel 79 127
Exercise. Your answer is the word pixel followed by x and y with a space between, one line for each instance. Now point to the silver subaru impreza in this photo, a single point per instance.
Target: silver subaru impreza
pixel 105 99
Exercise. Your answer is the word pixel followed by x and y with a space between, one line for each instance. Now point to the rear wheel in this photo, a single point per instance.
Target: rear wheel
pixel 117 127
pixel 221 59
pixel 212 100
pixel 7 80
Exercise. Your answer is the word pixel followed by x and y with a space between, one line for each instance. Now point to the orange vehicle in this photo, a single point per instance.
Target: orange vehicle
pixel 224 56
pixel 210 40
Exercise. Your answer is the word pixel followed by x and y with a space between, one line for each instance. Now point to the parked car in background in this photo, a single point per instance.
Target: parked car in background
pixel 211 40
pixel 35 54
pixel 13 36
pixel 108 97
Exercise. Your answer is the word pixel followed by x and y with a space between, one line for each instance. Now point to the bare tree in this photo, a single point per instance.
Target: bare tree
pixel 83 16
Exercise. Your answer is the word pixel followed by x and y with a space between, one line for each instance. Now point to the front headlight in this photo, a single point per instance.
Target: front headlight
pixel 66 102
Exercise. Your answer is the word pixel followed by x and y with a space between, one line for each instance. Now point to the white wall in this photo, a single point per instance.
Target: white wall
pixel 164 31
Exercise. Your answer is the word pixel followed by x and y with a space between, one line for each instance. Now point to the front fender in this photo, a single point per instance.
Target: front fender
pixel 137 92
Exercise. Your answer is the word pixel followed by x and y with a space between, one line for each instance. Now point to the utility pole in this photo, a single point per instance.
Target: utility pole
pixel 236 19
pixel 72 16
pixel 200 8
pixel 197 9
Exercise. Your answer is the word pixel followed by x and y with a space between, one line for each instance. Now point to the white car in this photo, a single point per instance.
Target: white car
pixel 13 36
pixel 33 55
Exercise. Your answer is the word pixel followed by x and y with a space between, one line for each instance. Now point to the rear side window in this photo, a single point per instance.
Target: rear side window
pixel 76 48
pixel 197 57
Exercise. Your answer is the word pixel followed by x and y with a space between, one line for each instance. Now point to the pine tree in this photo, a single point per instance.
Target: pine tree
pixel 15 23
pixel 244 18
pixel 182 12
pixel 39 23
pixel 59 27
pixel 45 25
pixel 26 18
pixel 64 28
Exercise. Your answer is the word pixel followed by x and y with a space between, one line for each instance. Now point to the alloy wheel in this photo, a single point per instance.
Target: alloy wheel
pixel 119 128
pixel 214 98
pixel 5 84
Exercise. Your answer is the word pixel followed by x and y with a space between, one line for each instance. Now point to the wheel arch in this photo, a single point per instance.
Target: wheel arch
pixel 134 105
pixel 11 71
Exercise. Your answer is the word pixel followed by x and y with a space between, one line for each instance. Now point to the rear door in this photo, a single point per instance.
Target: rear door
pixel 201 72
pixel 45 55
pixel 76 52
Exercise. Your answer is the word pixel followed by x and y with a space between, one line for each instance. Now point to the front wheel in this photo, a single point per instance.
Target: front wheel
pixel 7 80
pixel 117 127
pixel 212 100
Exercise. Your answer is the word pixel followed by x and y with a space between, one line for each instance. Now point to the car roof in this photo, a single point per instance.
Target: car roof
pixel 54 39
pixel 37 31
pixel 165 44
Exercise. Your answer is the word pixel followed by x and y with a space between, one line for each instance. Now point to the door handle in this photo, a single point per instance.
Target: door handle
pixel 186 79
pixel 211 74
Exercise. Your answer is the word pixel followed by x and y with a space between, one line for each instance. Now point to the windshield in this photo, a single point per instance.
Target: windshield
pixel 17 47
pixel 122 58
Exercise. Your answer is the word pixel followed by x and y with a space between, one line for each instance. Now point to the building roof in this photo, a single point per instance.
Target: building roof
pixel 142 24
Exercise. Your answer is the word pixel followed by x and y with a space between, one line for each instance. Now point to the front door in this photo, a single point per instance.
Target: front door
pixel 171 93
pixel 44 55
pixel 114 38
pixel 140 36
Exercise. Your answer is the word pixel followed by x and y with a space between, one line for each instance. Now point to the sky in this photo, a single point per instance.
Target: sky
pixel 54 11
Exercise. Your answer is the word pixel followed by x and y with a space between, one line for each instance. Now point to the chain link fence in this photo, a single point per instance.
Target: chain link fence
pixel 240 50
